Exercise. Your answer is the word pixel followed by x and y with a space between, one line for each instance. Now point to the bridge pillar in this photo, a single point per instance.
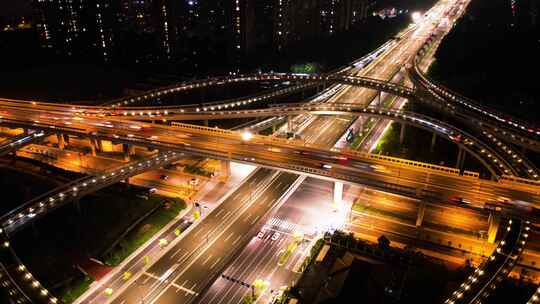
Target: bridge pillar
pixel 290 124
pixel 420 215
pixel 206 122
pixel 225 167
pixel 402 134
pixel 128 150
pixel 493 221
pixel 462 163
pixel 338 195
pixel 433 141
pixel 94 146
pixel 379 101
pixel 459 156
pixel 61 142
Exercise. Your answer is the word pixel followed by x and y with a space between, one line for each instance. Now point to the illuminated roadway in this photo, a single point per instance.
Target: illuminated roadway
pixel 274 153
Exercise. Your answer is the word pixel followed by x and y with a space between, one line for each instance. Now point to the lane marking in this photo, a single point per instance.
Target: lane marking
pixel 237 239
pixel 215 263
pixel 176 252
pixel 207 259
pixel 230 235
pixel 255 219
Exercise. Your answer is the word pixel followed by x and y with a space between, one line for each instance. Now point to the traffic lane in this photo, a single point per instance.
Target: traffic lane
pixel 226 211
pixel 465 219
pixel 298 214
pixel 200 273
pixel 190 242
pixel 501 192
pixel 391 203
pixel 247 269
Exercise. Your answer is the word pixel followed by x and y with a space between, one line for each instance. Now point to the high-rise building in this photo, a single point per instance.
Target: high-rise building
pixel 188 30
pixel 75 26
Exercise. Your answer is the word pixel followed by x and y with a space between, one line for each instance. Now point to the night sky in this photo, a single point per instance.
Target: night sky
pixel 14 8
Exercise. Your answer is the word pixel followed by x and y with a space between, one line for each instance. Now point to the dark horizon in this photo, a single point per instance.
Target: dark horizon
pixel 15 8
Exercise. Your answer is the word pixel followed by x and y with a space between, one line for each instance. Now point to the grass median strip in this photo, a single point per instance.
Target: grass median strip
pixel 286 254
pixel 75 289
pixel 144 231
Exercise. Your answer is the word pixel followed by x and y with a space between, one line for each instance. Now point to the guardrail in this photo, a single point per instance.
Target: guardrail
pixel 495 268
pixel 376 157
pixel 39 206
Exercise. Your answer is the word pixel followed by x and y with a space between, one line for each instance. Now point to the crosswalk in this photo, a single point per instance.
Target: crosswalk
pixel 282 225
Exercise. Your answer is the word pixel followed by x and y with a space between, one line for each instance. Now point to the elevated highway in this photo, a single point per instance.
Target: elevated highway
pixel 478 286
pixel 14 143
pixel 503 162
pixel 159 111
pixel 473 113
pixel 289 155
pixel 43 204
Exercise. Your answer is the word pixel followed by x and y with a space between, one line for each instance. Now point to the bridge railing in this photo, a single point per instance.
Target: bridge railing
pixel 495 268
pixel 39 206
pixel 374 157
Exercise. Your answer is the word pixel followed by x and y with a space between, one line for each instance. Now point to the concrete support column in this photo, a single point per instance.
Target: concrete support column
pixel 93 145
pixel 420 215
pixel 273 128
pixel 289 124
pixel 402 134
pixel 66 139
pixel 338 194
pixel 462 163
pixel 458 161
pixel 128 151
pixel 379 103
pixel 61 143
pixel 493 221
pixel 225 167
pixel 206 122
pixel 126 182
pixel 433 142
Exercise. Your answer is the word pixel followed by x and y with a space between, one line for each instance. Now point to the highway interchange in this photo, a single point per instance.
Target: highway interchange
pixel 189 266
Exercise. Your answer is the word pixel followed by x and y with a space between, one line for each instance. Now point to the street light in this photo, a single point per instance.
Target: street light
pixel 416 16
pixel 246 135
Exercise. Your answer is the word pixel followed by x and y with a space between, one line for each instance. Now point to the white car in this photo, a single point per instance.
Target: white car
pixel 260 234
pixel 276 236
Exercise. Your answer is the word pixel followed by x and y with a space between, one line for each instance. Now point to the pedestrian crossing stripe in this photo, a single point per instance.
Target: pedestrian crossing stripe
pixel 282 224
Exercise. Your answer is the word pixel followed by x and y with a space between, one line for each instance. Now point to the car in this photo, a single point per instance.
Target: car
pixel 276 236
pixel 163 177
pixel 458 200
pixel 326 166
pixel 152 190
pixel 260 234
pixel 456 138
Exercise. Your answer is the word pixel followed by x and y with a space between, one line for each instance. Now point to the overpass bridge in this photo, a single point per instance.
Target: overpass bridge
pixel 289 155
pixel 498 161
pixel 371 83
pixel 472 113
pixel 478 286
pixel 16 142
